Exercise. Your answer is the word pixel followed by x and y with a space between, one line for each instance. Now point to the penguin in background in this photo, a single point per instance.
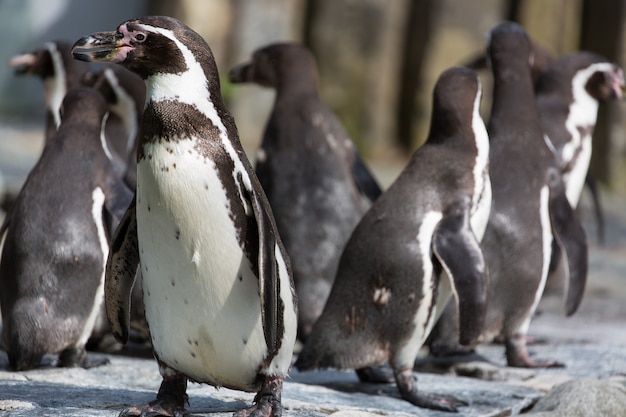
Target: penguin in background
pixel 60 73
pixel 568 94
pixel 217 283
pixel 530 211
pixel 314 178
pixel 416 246
pixel 54 254
pixel 126 94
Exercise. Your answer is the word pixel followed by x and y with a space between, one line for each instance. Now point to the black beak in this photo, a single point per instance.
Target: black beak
pixel 98 47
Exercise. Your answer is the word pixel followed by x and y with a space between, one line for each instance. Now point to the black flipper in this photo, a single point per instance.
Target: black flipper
pixel 590 181
pixel 365 181
pixel 268 273
pixel 570 237
pixel 121 272
pixel 459 252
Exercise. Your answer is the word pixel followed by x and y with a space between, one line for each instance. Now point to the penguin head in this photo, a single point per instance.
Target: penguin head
pixel 507 44
pixel 148 46
pixel 279 65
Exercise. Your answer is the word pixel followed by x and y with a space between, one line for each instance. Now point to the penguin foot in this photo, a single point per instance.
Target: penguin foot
pixel 267 402
pixel 77 357
pixel 170 401
pixel 376 375
pixel 407 385
pixel 517 355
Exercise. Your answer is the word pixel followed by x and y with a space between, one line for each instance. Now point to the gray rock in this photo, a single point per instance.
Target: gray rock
pixel 581 398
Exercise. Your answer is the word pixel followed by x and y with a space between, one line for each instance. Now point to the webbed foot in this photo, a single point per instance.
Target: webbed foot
pixel 375 375
pixel 517 355
pixel 407 385
pixel 170 401
pixel 267 402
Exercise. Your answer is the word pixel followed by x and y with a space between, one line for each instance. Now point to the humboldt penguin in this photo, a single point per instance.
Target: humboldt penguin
pixel 217 284
pixel 57 240
pixel 530 210
pixel 310 171
pixel 416 245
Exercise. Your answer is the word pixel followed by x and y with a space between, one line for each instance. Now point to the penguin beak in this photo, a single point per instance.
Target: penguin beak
pixel 22 63
pixel 619 86
pixel 240 73
pixel 101 47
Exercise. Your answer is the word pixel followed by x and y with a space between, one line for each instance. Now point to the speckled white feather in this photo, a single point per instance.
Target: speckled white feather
pixel 187 88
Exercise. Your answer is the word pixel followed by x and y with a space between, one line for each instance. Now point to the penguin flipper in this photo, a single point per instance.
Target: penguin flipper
pixel 459 252
pixel 365 181
pixel 570 237
pixel 268 272
pixel 121 271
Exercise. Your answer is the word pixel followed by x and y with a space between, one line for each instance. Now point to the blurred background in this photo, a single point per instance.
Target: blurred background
pixel 378 62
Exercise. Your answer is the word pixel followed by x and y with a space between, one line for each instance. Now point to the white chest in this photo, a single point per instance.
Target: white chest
pixel 201 297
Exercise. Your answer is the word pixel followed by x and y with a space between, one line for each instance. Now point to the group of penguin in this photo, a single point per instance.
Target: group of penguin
pixel 143 194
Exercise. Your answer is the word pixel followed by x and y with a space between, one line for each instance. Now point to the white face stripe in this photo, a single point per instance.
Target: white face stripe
pixel 96 213
pixel 57 86
pixel 125 108
pixel 187 88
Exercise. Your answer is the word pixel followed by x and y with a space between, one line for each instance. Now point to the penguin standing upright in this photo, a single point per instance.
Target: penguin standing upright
pixel 530 208
pixel 310 171
pixel 54 254
pixel 217 284
pixel 391 282
pixel 568 94
pixel 60 73
pixel 126 94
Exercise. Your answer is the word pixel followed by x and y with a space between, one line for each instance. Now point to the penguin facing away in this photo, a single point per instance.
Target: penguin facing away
pixel 310 170
pixel 54 254
pixel 126 94
pixel 60 73
pixel 530 208
pixel 568 94
pixel 217 282
pixel 391 282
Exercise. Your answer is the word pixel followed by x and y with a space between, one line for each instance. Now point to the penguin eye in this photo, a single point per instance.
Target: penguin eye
pixel 140 37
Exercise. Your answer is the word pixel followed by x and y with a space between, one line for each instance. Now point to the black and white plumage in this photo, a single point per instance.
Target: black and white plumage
pixel 217 283
pixel 530 209
pixel 310 170
pixel 391 282
pixel 57 240
pixel 126 94
pixel 568 94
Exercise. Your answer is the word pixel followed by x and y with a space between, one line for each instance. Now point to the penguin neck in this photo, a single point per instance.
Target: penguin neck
pixel 513 94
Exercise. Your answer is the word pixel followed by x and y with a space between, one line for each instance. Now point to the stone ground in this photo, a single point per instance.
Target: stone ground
pixel 592 344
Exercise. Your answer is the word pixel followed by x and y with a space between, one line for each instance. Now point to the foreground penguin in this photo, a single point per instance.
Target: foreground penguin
pixel 310 170
pixel 54 254
pixel 530 208
pixel 391 282
pixel 568 94
pixel 217 283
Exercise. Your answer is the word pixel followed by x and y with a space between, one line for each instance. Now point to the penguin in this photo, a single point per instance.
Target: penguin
pixel 217 283
pixel 60 73
pixel 568 95
pixel 530 209
pixel 57 240
pixel 391 281
pixel 126 94
pixel 310 171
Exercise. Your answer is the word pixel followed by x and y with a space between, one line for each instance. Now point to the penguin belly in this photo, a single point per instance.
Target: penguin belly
pixel 201 296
